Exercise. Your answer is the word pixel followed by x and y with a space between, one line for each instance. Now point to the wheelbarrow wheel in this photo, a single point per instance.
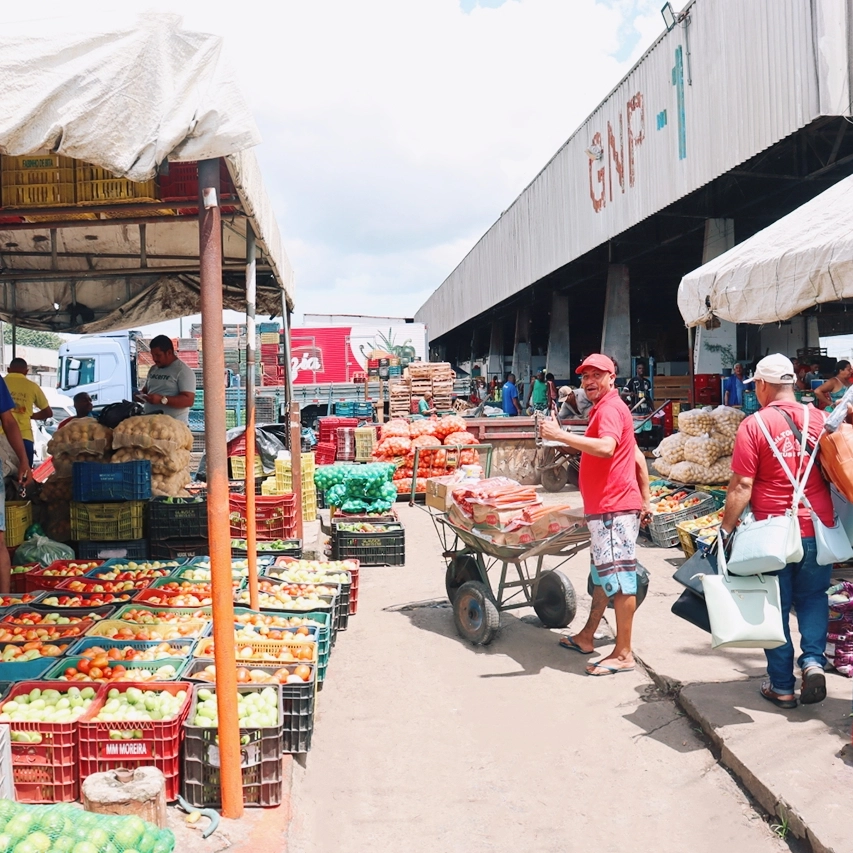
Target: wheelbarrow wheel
pixel 555 603
pixel 555 479
pixel 476 614
pixel 461 569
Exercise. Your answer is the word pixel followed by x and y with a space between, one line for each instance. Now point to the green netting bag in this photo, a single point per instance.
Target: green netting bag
pixel 64 828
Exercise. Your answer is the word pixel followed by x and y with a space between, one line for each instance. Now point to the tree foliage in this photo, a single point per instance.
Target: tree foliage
pixel 32 338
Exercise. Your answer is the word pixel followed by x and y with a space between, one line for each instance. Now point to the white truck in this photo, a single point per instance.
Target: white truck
pixel 104 366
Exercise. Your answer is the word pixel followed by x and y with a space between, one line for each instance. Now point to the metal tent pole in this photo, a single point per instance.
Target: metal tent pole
pixel 295 422
pixel 251 532
pixel 210 263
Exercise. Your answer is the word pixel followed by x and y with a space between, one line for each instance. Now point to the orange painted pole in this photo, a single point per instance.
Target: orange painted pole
pixel 210 264
pixel 251 531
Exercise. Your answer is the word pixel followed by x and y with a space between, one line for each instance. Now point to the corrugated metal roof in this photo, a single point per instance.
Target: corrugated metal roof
pixel 760 71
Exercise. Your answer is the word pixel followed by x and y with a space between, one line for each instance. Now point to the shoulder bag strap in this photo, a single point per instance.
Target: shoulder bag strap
pixel 798 484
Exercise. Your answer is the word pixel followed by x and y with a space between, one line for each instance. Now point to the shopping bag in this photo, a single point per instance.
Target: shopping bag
pixel 693 609
pixel 700 563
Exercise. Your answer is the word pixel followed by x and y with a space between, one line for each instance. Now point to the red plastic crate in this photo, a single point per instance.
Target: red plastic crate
pixel 19 579
pixel 275 516
pixel 36 579
pixel 160 744
pixel 181 184
pixel 47 772
pixel 91 583
pixel 329 427
pixel 324 453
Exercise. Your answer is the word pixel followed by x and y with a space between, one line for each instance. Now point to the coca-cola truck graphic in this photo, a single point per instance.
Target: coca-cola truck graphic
pixel 336 354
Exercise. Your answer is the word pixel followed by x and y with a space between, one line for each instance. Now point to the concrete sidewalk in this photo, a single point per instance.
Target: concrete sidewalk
pixel 797 764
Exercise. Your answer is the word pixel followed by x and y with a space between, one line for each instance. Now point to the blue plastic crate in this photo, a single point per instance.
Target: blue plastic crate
pixel 77 649
pixel 268 327
pixel 345 410
pixel 95 482
pixel 198 401
pixel 362 410
pixel 196 422
pixel 31 670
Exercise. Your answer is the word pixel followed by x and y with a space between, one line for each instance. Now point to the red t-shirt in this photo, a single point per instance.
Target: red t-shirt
pixel 771 489
pixel 610 485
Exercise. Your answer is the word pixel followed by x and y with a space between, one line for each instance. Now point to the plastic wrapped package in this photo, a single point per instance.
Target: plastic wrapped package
pixel 703 450
pixel 40 549
pixel 726 420
pixel 671 449
pixel 663 467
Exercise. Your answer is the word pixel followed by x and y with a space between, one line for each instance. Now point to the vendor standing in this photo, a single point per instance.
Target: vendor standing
pixel 509 395
pixel 425 406
pixel 538 396
pixel 639 390
pixel 733 389
pixel 27 396
pixel 170 387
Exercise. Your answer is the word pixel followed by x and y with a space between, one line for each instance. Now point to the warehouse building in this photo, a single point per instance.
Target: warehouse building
pixel 735 116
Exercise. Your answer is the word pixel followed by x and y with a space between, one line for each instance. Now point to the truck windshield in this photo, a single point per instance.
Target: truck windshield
pixel 76 371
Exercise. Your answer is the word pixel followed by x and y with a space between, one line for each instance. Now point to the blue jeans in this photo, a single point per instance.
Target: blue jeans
pixel 804 585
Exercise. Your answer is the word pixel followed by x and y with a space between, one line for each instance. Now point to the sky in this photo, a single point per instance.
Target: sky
pixel 396 131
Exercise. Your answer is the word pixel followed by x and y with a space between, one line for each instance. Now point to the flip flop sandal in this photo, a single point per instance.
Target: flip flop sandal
pixel 775 698
pixel 610 670
pixel 813 688
pixel 569 643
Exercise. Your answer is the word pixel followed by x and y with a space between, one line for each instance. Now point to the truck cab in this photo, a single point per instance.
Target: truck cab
pixel 104 366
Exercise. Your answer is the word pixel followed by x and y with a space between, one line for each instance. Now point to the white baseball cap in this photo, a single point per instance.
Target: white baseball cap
pixel 776 369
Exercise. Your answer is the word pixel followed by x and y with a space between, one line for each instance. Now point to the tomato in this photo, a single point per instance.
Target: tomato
pixel 84 665
pixel 101 662
pixel 70 672
pixel 95 672
pixel 303 671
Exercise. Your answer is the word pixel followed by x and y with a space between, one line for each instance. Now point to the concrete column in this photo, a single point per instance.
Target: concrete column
pixel 713 348
pixel 521 351
pixel 812 331
pixel 496 350
pixel 559 362
pixel 616 334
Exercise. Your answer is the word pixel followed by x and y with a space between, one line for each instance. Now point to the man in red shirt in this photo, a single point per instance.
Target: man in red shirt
pixel 759 482
pixel 614 484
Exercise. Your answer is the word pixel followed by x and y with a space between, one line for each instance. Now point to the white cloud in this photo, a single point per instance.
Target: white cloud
pixel 396 131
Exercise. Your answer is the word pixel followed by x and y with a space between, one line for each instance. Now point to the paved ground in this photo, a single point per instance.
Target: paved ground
pixel 426 743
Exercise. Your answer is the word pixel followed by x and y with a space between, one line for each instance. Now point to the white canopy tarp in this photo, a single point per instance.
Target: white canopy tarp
pixel 802 260
pixel 128 100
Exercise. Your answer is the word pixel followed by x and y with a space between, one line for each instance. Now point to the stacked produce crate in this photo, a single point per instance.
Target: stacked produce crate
pixel 420 380
pixel 284 483
pixel 400 399
pixel 178 527
pixel 442 386
pixel 109 507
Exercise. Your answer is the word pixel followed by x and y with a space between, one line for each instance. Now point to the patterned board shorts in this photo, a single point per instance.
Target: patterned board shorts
pixel 612 545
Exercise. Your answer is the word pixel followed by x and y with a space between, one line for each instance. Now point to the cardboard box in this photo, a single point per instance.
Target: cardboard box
pixel 439 490
pixel 458 518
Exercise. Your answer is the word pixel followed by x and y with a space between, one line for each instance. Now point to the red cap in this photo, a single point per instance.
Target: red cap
pixel 599 361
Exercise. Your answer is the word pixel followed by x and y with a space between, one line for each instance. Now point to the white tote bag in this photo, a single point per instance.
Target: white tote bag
pixel 744 612
pixel 833 544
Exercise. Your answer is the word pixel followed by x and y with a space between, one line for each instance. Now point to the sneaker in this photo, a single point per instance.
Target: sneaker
pixel 813 687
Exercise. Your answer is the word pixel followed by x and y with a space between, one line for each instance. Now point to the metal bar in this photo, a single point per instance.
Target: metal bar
pixel 251 532
pixel 100 209
pixel 143 245
pixel 121 256
pixel 502 582
pixel 54 263
pixel 210 264
pixel 54 275
pixel 99 223
pixel 295 423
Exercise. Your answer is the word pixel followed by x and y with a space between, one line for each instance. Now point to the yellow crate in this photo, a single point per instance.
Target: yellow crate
pixel 685 539
pixel 309 504
pixel 238 467
pixel 261 650
pixel 19 516
pixel 269 337
pixel 365 440
pixel 37 180
pixel 284 476
pixel 98 186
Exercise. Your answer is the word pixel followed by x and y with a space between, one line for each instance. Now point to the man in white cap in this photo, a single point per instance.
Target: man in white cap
pixel 573 403
pixel 759 482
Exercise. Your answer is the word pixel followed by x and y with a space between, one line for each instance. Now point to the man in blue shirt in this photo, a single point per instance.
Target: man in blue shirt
pixel 510 397
pixel 13 436
pixel 733 393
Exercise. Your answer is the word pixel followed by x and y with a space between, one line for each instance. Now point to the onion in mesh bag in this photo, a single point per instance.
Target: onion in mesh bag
pixel 727 420
pixel 702 450
pixel 662 467
pixel 695 422
pixel 671 449
pixel 687 472
pixel 726 442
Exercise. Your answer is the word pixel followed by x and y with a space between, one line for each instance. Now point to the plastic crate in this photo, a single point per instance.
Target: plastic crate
pixel 94 482
pixel 687 537
pixel 344 591
pixel 57 671
pixel 324 632
pixel 117 599
pixel 29 670
pixel 749 402
pixel 7 780
pixel 196 419
pixel 191 630
pixel 78 616
pixel 181 648
pixel 181 183
pixel 165 569
pixel 47 772
pixel 197 621
pixel 365 441
pixel 260 759
pixel 717 493
pixel 134 549
pixel 37 180
pixel 36 579
pixel 108 522
pixel 198 443
pixel 19 578
pixel 370 549
pixel 91 583
pixel 238 467
pixel 204 649
pixel 275 517
pixel 663 526
pixel 19 516
pixel 95 185
pixel 159 745
pixel 179 548
pixel 181 518
pixel 344 409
